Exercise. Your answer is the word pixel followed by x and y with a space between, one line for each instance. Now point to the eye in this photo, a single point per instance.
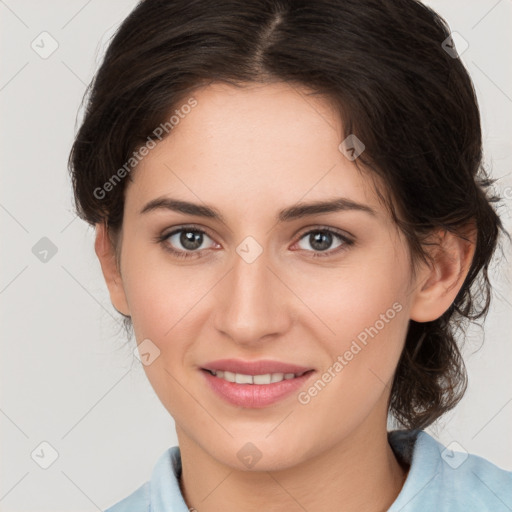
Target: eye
pixel 186 241
pixel 324 242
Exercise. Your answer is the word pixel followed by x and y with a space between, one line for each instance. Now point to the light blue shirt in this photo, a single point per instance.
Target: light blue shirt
pixel 440 479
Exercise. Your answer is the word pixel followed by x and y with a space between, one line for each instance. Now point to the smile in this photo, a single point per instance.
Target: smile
pixel 254 384
pixel 259 380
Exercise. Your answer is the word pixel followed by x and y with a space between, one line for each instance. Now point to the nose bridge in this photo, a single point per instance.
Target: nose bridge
pixel 252 305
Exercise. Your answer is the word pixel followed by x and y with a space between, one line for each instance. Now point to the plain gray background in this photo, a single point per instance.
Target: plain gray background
pixel 66 377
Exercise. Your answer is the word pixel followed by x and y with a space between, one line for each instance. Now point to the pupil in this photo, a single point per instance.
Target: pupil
pixel 191 239
pixel 320 240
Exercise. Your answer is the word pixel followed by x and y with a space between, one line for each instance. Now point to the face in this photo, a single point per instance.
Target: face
pixel 247 275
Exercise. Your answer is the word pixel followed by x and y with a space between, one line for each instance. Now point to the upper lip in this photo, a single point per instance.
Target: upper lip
pixel 260 367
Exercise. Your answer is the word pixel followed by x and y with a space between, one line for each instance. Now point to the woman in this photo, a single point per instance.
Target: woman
pixel 292 215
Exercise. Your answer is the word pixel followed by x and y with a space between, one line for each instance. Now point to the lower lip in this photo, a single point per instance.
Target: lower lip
pixel 255 396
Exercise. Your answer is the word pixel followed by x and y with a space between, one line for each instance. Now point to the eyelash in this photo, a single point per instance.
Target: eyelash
pixel 346 242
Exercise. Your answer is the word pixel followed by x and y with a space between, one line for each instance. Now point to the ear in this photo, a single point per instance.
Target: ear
pixel 107 257
pixel 438 285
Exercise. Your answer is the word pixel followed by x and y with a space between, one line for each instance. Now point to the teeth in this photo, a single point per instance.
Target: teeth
pixel 240 378
pixel 229 376
pixel 262 379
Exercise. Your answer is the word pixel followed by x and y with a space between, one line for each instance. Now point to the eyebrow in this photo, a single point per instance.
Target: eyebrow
pixel 291 213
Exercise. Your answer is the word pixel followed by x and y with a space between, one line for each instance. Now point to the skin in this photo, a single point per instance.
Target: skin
pixel 250 152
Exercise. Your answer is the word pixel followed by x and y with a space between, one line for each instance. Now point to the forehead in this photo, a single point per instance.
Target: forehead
pixel 273 141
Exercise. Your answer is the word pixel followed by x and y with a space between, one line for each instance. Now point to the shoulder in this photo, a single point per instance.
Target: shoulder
pixel 138 501
pixel 161 492
pixel 448 478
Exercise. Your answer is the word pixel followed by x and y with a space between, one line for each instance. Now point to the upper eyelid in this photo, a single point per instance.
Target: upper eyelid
pixel 178 229
pixel 336 231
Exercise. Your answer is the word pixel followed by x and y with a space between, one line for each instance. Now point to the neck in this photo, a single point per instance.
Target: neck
pixel 360 473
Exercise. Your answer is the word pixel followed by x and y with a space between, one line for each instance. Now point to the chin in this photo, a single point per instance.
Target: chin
pixel 258 456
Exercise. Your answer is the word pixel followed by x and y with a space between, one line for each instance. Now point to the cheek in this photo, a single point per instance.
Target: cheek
pixel 359 296
pixel 167 307
pixel 363 308
pixel 161 296
pixel 162 302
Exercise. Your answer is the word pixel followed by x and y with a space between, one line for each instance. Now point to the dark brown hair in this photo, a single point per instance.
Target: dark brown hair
pixel 383 63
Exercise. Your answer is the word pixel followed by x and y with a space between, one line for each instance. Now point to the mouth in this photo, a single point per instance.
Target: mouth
pixel 254 384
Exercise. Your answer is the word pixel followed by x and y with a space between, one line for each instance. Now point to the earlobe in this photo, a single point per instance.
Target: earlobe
pixel 438 285
pixel 106 255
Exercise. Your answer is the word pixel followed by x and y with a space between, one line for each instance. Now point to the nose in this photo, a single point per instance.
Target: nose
pixel 253 304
